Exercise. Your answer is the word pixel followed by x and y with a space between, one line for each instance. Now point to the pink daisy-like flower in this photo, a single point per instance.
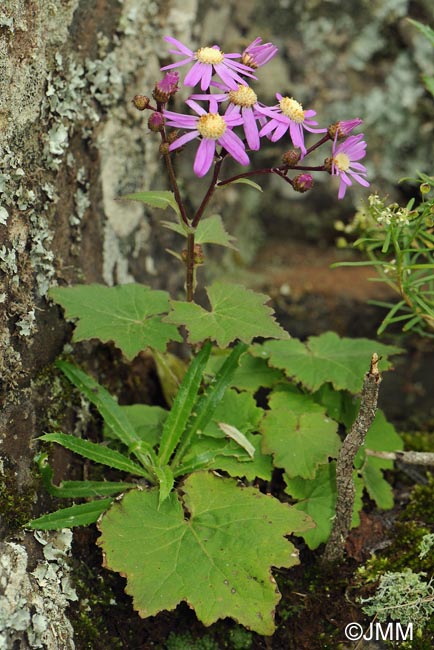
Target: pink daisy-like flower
pixel 242 102
pixel 213 128
pixel 256 54
pixel 288 114
pixel 344 162
pixel 209 61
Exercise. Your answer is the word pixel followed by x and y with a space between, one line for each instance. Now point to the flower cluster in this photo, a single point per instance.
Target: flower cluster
pixel 227 101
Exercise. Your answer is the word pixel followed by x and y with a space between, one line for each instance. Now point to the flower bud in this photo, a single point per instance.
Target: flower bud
pixel 425 188
pixel 328 164
pixel 140 102
pixel 291 157
pixel 164 148
pixel 172 136
pixel 156 121
pixel 164 89
pixel 343 128
pixel 198 255
pixel 302 183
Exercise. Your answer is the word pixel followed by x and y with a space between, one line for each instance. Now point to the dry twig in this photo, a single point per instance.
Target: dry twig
pixel 334 549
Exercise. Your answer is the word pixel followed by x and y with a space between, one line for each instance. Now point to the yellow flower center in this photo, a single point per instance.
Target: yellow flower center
pixel 244 96
pixel 209 55
pixel 292 109
pixel 341 161
pixel 211 126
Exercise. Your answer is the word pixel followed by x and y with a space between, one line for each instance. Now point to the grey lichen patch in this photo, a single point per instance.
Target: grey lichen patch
pixel 33 605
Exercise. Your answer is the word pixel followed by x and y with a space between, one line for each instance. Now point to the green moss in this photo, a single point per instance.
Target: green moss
pixel 15 501
pixel 187 642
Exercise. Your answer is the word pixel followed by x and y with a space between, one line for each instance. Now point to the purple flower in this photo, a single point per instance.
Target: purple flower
pixel 344 165
pixel 255 55
pixel 288 114
pixel 213 128
pixel 209 60
pixel 242 102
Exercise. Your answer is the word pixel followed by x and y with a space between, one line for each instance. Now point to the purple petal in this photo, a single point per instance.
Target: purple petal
pixel 234 145
pixel 198 109
pixel 279 132
pixel 182 48
pixel 206 77
pixel 194 75
pixel 204 156
pixel 359 179
pixel 183 140
pixel 176 65
pixel 251 129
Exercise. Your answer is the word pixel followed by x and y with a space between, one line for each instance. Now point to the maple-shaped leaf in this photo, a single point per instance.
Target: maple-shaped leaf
pixel 299 435
pixel 253 372
pixel 326 358
pixel 129 315
pixel 212 545
pixel 209 231
pixel 317 498
pixel 236 313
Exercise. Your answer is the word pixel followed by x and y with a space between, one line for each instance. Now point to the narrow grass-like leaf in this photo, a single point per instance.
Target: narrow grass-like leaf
pixel 112 413
pixel 96 452
pixel 166 481
pixel 80 515
pixel 207 403
pixel 244 181
pixel 182 405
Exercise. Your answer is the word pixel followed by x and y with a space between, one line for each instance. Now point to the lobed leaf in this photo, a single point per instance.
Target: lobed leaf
pixel 129 315
pixel 236 313
pixel 231 536
pixel 317 498
pixel 326 358
pixel 298 434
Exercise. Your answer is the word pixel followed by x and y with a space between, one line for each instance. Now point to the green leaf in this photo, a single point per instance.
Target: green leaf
pixel 212 231
pixel 81 515
pixel 317 498
pixel 326 358
pixel 236 313
pixel 96 452
pixel 378 488
pixel 208 402
pixel 225 455
pixel 166 481
pixel 129 315
pixel 252 374
pixel 209 231
pixel 236 409
pixel 218 559
pixel 182 407
pixel 147 421
pixel 298 434
pixel 114 416
pixel 156 199
pixel 77 489
pixel 424 29
pixel 244 181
